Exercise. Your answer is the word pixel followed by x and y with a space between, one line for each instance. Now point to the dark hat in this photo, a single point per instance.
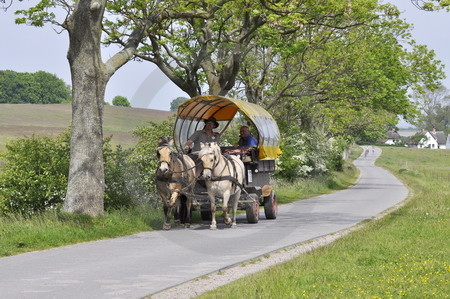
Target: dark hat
pixel 213 120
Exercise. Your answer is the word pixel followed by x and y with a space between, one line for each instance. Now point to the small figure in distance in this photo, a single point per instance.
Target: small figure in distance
pixel 205 135
pixel 246 138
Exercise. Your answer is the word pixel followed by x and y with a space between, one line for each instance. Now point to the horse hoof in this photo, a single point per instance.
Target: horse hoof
pixel 187 225
pixel 227 221
pixel 212 227
pixel 167 226
pixel 233 225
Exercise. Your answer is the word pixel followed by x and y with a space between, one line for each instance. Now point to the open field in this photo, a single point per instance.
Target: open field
pixel 18 120
pixel 403 255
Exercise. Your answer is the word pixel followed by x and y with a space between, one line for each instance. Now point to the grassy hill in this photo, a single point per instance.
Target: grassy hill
pixel 19 120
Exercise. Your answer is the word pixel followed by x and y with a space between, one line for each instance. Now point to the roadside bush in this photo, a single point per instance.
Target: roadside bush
pixel 34 177
pixel 35 172
pixel 307 154
pixel 117 194
pixel 337 147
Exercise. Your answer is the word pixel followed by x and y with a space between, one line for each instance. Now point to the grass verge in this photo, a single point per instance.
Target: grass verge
pixel 403 255
pixel 53 229
pixel 306 188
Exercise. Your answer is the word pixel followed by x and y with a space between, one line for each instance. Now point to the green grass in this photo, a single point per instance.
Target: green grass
pixel 404 255
pixel 307 188
pixel 53 229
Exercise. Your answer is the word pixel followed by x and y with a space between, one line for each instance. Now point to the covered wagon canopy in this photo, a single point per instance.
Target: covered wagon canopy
pixel 192 113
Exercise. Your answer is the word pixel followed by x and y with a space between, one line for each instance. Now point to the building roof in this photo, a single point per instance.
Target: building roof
pixel 393 134
pixel 439 136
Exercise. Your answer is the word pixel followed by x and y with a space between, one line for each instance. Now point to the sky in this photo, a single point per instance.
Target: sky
pixel 29 49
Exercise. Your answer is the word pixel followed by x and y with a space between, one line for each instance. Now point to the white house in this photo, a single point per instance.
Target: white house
pixel 393 137
pixel 434 140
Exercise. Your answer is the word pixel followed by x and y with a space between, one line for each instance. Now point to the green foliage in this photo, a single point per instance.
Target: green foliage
pixel 144 154
pixel 35 175
pixel 294 190
pixel 117 193
pixel 121 101
pixel 417 138
pixel 432 5
pixel 176 103
pixel 352 80
pixel 19 234
pixel 434 106
pixel 33 88
pixel 307 154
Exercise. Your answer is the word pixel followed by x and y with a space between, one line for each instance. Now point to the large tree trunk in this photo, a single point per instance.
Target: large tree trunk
pixel 85 191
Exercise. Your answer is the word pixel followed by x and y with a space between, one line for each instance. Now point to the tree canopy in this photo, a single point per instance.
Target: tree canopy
pixel 33 88
pixel 176 103
pixel 121 101
pixel 435 109
pixel 432 4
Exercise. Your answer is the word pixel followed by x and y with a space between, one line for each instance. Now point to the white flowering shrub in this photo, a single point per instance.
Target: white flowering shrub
pixel 306 154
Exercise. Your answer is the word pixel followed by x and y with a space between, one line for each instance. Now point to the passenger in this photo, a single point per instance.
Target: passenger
pixel 205 135
pixel 246 138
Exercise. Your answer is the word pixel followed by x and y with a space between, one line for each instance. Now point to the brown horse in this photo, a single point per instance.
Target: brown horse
pixel 175 175
pixel 224 178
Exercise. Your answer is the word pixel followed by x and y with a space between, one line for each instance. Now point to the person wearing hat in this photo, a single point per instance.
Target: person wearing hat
pixel 205 135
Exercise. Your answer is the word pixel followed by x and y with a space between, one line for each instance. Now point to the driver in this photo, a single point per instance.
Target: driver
pixel 205 135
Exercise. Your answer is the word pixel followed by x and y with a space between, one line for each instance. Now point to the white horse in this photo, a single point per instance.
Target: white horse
pixel 174 176
pixel 224 178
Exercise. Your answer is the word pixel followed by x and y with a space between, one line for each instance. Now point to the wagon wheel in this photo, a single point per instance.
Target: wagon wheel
pixel 252 212
pixel 270 206
pixel 205 213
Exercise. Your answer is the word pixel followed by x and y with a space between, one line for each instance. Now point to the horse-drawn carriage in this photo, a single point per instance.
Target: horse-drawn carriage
pixel 255 163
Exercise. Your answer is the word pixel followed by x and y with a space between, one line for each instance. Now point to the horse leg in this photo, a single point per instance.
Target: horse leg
pixel 226 198
pixel 174 203
pixel 235 204
pixel 171 207
pixel 212 200
pixel 167 210
pixel 168 216
pixel 187 224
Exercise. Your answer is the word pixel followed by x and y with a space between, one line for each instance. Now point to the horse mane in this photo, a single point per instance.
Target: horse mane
pixel 206 147
pixel 164 141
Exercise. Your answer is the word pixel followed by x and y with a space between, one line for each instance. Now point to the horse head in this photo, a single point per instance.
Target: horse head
pixel 164 154
pixel 209 155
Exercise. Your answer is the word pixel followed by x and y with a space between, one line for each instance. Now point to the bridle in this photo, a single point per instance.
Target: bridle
pixel 173 158
pixel 215 162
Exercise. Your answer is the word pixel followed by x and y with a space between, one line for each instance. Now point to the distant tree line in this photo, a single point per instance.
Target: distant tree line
pixel 33 88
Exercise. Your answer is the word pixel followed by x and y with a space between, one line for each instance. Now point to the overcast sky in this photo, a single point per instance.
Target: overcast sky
pixel 28 49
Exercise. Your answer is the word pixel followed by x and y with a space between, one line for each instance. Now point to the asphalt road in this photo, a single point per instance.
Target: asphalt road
pixel 146 263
